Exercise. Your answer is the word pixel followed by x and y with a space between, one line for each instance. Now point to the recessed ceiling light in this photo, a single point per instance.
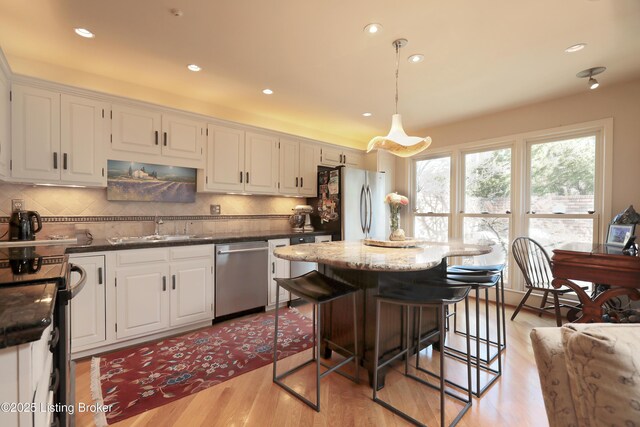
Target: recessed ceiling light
pixel 194 67
pixel 414 59
pixel 373 28
pixel 267 91
pixel 83 32
pixel 575 47
pixel 367 114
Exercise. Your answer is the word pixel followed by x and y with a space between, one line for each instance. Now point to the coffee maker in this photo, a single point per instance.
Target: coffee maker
pixel 23 225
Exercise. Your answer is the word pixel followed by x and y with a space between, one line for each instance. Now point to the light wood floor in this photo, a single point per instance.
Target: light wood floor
pixel 253 400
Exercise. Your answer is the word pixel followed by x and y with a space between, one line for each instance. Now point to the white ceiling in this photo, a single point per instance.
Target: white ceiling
pixel 480 56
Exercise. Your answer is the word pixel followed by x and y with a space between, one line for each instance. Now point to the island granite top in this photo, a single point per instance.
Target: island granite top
pixel 358 256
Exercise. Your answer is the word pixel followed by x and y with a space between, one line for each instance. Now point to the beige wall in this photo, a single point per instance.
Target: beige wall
pixel 621 102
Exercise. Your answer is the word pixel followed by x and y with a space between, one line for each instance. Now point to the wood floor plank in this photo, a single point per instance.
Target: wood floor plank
pixel 253 400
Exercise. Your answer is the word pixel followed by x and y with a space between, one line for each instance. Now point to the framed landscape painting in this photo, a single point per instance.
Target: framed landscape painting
pixel 146 182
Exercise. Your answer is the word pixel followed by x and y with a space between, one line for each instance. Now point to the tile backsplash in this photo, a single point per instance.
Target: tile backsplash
pixel 239 212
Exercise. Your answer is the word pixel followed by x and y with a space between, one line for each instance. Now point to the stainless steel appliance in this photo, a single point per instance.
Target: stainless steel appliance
pixel 301 219
pixel 241 277
pixel 48 264
pixel 350 203
pixel 23 225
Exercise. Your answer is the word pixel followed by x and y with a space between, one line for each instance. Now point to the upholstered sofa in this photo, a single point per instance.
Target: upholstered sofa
pixel 590 374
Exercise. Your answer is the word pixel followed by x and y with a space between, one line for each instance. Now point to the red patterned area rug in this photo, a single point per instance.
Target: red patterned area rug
pixel 137 379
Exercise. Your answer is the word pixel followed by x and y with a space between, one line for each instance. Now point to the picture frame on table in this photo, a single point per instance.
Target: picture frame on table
pixel 619 234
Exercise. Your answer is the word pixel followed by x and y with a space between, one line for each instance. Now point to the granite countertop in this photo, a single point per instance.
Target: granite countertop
pixel 358 256
pixel 25 312
pixel 100 245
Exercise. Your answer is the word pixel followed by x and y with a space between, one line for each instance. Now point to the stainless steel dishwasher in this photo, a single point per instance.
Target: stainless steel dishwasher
pixel 242 277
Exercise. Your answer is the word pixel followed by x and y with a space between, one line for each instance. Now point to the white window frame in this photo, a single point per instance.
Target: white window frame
pixel 519 179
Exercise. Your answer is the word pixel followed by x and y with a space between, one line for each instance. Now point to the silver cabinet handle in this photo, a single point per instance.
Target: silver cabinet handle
pixel 234 251
pixel 55 160
pixel 156 132
pixel 296 181
pixel 164 283
pixel 240 177
pixel 64 161
pixel 173 281
pixel 301 181
pixel 99 275
pixel 273 268
pixel 165 139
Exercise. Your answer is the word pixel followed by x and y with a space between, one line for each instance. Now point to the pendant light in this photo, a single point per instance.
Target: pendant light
pixel 397 141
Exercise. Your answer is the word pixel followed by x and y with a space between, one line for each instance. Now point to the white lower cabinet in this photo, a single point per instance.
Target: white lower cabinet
pixel 278 268
pixel 162 288
pixel 88 307
pixel 142 303
pixel 191 292
pixel 27 372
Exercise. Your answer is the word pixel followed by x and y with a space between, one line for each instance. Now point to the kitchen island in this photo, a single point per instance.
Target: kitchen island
pixel 371 269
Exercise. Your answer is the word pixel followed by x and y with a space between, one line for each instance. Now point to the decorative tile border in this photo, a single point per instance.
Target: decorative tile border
pixel 137 218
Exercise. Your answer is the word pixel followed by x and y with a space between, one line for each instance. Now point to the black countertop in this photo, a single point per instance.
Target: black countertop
pixel 25 312
pixel 29 277
pixel 100 245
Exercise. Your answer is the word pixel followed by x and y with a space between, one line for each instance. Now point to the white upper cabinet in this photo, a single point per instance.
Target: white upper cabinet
pixel 83 137
pixel 136 130
pixel 57 139
pixel 261 163
pixel 298 168
pixel 5 132
pixel 225 159
pixel 239 161
pixel 147 135
pixel 35 131
pixel 330 156
pixel 182 137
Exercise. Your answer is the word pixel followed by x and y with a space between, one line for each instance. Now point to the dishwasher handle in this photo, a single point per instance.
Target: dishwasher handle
pixel 233 251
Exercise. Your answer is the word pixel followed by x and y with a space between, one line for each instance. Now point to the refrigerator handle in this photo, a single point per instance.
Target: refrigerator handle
pixel 363 212
pixel 370 209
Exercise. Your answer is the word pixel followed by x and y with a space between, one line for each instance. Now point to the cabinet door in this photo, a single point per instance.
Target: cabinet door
pixel 289 167
pixel 225 159
pixel 83 131
pixel 88 309
pixel 353 159
pixel 331 156
pixel 278 268
pixel 5 133
pixel 261 163
pixel 182 137
pixel 142 300
pixel 191 291
pixel 309 156
pixel 35 130
pixel 136 130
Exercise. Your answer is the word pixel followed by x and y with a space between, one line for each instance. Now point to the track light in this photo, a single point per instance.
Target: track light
pixel 590 72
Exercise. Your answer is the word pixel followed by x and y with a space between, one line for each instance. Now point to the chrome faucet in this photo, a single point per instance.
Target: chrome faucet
pixel 158 221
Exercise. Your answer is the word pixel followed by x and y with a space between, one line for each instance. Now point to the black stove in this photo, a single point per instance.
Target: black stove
pixel 33 264
pixel 33 276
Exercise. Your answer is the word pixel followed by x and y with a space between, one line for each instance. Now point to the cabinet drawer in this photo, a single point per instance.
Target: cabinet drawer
pixel 190 252
pixel 140 256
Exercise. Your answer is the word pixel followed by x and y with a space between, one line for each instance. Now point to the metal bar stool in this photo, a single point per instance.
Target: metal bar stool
pixel 486 270
pixel 412 297
pixel 317 289
pixel 478 283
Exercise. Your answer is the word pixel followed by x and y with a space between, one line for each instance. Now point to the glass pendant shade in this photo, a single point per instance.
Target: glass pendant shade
pixel 398 142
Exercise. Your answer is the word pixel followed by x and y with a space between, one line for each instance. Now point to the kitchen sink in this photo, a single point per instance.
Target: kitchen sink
pixel 152 238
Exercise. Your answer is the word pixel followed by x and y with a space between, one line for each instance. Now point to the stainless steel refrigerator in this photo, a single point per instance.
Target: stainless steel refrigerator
pixel 350 203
